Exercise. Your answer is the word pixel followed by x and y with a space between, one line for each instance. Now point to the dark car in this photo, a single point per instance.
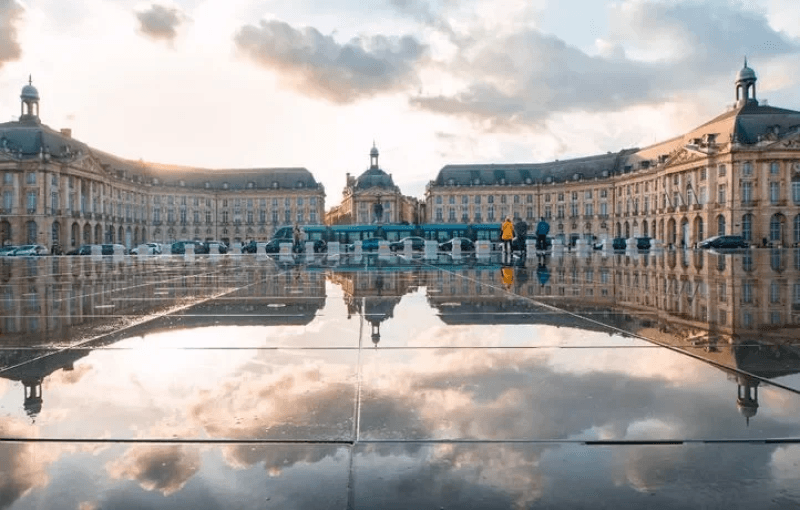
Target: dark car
pixel 7 250
pixel 417 244
pixel 370 244
pixel 179 247
pixel 724 242
pixel 222 248
pixel 466 244
pixel 643 243
pixel 619 243
pixel 320 246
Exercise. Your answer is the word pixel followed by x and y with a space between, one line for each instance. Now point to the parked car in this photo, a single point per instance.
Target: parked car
pixel 417 244
pixel 221 247
pixel 619 243
pixel 30 250
pixel 466 244
pixel 724 242
pixel 643 243
pixel 370 244
pixel 179 247
pixel 152 249
pixel 7 250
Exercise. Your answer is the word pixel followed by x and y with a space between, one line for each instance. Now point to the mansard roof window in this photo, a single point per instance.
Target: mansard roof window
pixel 224 185
pixel 250 185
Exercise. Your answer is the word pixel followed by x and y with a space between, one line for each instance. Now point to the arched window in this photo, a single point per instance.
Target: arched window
pixel 775 228
pixel 796 230
pixel 31 229
pixel 721 225
pixel 747 227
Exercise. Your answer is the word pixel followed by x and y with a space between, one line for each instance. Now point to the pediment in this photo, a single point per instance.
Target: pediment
pixel 682 155
pixel 791 141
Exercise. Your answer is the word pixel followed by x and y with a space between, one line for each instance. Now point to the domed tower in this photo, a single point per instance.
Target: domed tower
pixel 747 397
pixel 373 156
pixel 745 86
pixel 29 107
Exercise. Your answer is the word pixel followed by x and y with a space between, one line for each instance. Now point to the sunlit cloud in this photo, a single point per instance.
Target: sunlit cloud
pixel 317 65
pixel 10 14
pixel 160 22
pixel 162 468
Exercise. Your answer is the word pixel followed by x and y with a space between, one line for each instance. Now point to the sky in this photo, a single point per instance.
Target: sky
pixel 274 83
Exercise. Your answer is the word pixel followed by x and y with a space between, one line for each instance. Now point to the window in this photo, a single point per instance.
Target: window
pixel 451 199
pixel 747 227
pixel 516 199
pixel 774 168
pixel 529 213
pixel 721 171
pixel 703 174
pixel 587 195
pixel 560 197
pixel 7 201
pixel 529 199
pixel 490 199
pixel 560 212
pixel 721 189
pixel 774 293
pixel 312 201
pixel 502 199
pixel 438 200
pixel 796 229
pixel 588 209
pixel 796 191
pixel 703 198
pixel 8 178
pixel 31 201
pixel 747 168
pixel 721 225
pixel 464 199
pixel 30 178
pixel 603 193
pixel 603 209
pixel 747 192
pixel 774 192
pixel 574 195
pixel 775 228
pixel 547 197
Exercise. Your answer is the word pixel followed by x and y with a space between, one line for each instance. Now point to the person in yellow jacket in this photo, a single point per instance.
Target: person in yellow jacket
pixel 507 230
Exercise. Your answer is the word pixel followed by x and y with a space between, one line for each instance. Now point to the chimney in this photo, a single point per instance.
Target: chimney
pixel 66 132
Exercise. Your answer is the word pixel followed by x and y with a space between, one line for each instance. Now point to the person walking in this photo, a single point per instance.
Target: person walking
pixel 542 229
pixel 507 230
pixel 296 238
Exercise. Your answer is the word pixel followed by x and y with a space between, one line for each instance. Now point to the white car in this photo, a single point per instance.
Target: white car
pixel 152 249
pixel 29 250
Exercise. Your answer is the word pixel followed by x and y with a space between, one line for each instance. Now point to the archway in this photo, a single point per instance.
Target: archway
pixel 31 230
pixel 747 227
pixel 121 239
pixel 684 232
pixel 87 234
pixel 618 230
pixel 698 230
pixel 55 233
pixel 5 233
pixel 627 230
pixel 98 234
pixel 777 229
pixel 671 234
pixel 74 234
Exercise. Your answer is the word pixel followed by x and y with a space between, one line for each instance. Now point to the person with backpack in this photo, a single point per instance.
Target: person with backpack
pixel 542 229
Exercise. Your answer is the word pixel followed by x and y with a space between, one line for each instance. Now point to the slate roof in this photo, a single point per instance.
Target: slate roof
pixel 374 177
pixel 530 173
pixel 28 138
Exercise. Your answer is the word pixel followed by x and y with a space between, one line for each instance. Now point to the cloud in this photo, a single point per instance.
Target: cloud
pixel 318 66
pixel 160 22
pixel 10 12
pixel 162 468
pixel 653 53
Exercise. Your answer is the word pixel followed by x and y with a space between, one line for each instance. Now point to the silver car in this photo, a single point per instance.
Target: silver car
pixel 30 250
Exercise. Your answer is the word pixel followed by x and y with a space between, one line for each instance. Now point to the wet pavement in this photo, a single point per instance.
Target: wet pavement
pixel 664 380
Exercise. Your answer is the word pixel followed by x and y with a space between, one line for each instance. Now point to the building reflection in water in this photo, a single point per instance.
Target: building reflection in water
pixel 739 312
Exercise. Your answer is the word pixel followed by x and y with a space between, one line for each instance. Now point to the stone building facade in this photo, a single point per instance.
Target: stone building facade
pixel 58 190
pixel 739 173
pixel 373 197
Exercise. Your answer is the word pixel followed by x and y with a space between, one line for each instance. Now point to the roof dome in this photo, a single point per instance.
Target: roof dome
pixel 374 177
pixel 746 73
pixel 29 92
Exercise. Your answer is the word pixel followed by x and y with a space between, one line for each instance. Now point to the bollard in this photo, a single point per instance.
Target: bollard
pixel 408 248
pixel 333 248
pixel 482 248
pixel 143 249
pixel 285 249
pixel 357 250
pixel 310 247
pixel 431 247
pixel 456 248
pixel 213 249
pixel 97 250
pixel 383 248
pixel 188 249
